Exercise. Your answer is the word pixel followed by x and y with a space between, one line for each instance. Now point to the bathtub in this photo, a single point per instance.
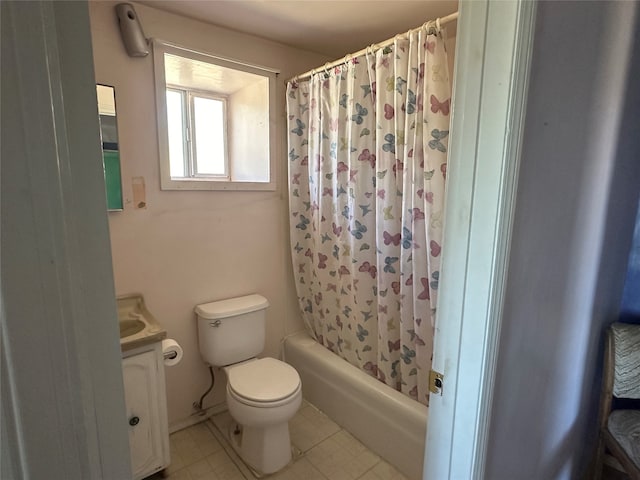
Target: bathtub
pixel 386 421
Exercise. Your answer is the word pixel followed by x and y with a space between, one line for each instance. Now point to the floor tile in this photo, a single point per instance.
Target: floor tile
pixel 199 468
pixel 300 469
pixel 383 471
pixel 342 457
pixel 324 452
pixel 310 426
pixel 224 467
pixel 179 475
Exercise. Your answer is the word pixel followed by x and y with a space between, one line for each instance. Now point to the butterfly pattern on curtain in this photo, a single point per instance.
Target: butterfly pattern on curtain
pixel 367 165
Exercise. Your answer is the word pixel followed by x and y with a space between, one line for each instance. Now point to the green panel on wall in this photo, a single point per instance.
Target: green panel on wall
pixel 113 183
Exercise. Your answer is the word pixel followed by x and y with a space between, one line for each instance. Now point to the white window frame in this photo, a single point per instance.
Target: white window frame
pixel 189 133
pixel 207 182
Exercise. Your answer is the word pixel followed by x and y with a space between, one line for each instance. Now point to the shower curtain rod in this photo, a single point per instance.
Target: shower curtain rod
pixel 437 23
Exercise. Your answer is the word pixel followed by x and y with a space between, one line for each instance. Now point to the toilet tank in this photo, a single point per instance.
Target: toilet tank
pixel 232 330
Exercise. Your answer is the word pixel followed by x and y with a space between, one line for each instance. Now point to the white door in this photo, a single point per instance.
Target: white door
pixel 493 48
pixel 61 381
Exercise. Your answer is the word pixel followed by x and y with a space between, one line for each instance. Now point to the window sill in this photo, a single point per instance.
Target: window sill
pixel 213 185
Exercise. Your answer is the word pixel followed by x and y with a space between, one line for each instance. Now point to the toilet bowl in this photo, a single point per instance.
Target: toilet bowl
pixel 263 394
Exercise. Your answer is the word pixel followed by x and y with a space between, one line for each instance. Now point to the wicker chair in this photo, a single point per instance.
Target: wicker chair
pixel 620 428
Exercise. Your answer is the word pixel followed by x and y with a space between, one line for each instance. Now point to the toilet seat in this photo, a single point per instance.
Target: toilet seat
pixel 265 382
pixel 264 405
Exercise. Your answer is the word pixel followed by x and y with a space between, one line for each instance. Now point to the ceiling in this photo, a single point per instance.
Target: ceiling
pixel 331 27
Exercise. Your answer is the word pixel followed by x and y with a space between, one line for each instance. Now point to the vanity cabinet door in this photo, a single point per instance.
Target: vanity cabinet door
pixel 142 381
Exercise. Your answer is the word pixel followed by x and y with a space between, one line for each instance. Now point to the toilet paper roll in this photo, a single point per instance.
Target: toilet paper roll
pixel 171 351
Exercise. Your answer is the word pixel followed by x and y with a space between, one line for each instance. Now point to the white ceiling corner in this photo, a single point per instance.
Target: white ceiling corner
pixel 331 27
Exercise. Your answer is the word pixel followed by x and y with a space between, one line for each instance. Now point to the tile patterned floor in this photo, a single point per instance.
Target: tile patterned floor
pixel 326 452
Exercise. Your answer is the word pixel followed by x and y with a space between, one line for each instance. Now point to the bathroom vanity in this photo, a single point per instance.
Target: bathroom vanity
pixel 144 386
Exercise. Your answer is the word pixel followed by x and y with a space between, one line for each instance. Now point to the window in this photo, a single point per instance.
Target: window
pixel 215 130
pixel 196 127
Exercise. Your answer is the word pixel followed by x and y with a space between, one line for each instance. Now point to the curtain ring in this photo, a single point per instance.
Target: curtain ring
pixel 432 27
pixel 438 28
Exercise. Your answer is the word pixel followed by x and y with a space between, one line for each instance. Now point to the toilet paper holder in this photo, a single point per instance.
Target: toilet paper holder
pixel 171 352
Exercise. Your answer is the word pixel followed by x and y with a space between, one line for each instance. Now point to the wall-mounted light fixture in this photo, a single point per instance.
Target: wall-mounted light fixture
pixel 131 31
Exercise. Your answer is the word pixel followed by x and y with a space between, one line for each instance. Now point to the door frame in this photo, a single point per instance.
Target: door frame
pixel 493 57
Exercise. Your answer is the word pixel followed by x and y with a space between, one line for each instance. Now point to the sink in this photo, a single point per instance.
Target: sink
pixel 137 326
pixel 131 327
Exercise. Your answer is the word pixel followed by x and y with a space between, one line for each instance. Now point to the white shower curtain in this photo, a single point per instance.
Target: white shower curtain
pixel 367 164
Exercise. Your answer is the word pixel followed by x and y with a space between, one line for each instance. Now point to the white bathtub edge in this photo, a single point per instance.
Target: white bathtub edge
pixel 386 421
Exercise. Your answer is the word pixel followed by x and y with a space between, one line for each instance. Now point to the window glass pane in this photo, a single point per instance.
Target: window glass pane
pixel 209 136
pixel 175 125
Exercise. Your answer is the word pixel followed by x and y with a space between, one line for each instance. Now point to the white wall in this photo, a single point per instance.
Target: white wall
pixel 576 203
pixel 187 248
pixel 247 125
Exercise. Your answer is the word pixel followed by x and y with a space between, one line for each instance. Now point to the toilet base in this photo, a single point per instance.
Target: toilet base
pixel 264 450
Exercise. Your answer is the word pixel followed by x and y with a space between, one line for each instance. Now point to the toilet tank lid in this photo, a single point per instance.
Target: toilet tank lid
pixel 231 307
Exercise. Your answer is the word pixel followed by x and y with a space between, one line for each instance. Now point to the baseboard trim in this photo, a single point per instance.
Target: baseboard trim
pixel 197 417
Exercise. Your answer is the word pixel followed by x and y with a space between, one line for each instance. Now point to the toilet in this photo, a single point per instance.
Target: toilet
pixel 263 394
